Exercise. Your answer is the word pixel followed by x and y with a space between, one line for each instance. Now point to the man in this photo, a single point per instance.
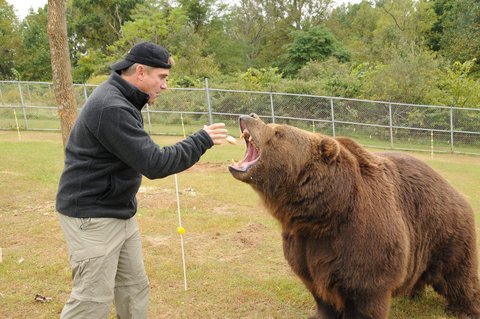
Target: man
pixel 107 152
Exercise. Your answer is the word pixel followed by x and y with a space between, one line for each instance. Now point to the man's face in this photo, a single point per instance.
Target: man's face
pixel 153 81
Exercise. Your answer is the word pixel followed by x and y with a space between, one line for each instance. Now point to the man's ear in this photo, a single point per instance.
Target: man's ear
pixel 329 149
pixel 140 71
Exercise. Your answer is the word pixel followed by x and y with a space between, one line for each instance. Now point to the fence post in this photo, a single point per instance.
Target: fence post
pixel 23 105
pixel 272 108
pixel 85 91
pixel 29 94
pixel 391 124
pixel 148 118
pixel 333 117
pixel 1 96
pixel 451 130
pixel 207 91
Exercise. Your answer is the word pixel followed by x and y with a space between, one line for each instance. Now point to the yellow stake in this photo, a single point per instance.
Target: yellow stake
pixel 18 128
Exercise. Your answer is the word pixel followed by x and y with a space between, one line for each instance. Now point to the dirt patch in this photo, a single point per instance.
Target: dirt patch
pixel 157 241
pixel 251 235
pixel 154 197
pixel 11 173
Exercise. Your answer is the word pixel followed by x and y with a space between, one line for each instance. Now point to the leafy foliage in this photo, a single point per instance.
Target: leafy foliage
pixel 96 23
pixel 409 77
pixel 260 79
pixel 455 33
pixel 419 51
pixel 315 44
pixel 9 39
pixel 34 54
pixel 334 78
pixel 458 88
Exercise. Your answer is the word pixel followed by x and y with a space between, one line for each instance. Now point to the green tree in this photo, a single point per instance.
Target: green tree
pixel 263 28
pixel 250 29
pixel 458 88
pixel 33 59
pixel 9 40
pixel 260 79
pixel 334 78
pixel 376 31
pixel 455 31
pixel 412 18
pixel 90 65
pixel 149 22
pixel 93 26
pixel 461 29
pixel 96 24
pixel 167 26
pixel 355 26
pixel 222 43
pixel 409 77
pixel 441 9
pixel 303 14
pixel 199 12
pixel 315 44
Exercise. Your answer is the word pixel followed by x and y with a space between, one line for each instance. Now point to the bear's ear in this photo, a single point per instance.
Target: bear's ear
pixel 329 149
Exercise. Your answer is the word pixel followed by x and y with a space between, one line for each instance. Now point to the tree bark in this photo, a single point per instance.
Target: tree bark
pixel 61 66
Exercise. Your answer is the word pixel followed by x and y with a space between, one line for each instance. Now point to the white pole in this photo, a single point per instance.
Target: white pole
pixel 180 229
pixel 431 144
pixel 183 126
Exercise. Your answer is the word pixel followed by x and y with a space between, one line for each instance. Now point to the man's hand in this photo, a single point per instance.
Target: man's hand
pixel 217 132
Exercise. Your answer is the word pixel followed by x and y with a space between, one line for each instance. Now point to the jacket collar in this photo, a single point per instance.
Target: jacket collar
pixel 133 94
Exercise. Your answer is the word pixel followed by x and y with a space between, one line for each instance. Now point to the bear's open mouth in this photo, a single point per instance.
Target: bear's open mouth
pixel 252 153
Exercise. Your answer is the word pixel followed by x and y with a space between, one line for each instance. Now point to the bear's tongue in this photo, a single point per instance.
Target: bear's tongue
pixel 252 153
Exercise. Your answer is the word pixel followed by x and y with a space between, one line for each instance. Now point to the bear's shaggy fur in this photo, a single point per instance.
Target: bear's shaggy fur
pixel 358 227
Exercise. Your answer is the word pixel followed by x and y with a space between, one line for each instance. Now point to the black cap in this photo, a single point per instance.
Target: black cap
pixel 146 53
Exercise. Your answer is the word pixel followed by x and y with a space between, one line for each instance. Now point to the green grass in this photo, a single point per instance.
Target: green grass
pixel 235 264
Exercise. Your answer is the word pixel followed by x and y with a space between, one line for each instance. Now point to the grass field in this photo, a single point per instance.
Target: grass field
pixel 235 264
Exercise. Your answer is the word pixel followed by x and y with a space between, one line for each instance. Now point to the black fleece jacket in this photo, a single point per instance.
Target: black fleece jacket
pixel 108 152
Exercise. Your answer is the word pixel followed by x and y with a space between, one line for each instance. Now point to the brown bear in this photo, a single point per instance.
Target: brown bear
pixel 358 227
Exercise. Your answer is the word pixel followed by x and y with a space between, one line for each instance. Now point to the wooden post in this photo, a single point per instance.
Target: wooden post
pixel 61 66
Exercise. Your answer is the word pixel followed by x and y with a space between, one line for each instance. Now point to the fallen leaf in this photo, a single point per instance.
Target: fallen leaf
pixel 40 298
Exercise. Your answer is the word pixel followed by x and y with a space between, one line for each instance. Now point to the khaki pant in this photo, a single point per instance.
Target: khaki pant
pixel 107 265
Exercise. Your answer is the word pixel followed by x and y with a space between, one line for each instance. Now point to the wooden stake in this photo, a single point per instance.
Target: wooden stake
pixel 18 127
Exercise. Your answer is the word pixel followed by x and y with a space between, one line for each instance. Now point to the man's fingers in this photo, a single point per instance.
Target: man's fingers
pixel 217 125
pixel 218 131
pixel 214 126
pixel 218 136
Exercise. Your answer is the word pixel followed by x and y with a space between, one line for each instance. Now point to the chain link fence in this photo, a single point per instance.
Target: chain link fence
pixel 31 106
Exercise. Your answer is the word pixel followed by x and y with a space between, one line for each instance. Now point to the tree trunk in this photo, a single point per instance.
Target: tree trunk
pixel 61 66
